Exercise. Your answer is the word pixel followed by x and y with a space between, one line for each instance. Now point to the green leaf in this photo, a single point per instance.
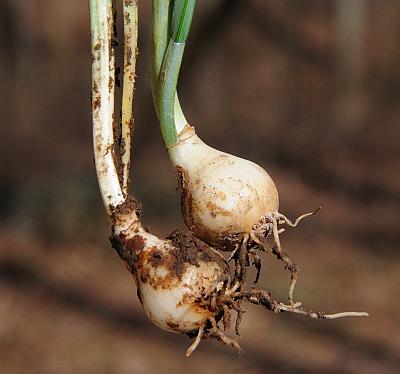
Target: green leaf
pixel 182 19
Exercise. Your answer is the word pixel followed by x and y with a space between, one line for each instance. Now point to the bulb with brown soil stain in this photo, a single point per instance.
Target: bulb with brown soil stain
pixel 177 279
pixel 223 196
pixel 173 281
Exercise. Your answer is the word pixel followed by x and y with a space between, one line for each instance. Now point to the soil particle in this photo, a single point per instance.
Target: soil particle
pixel 128 206
pixel 96 102
pixel 127 18
pixel 110 83
pixel 131 252
pixel 144 274
pixel 215 210
pixel 172 325
pixel 136 244
pixel 186 197
pixel 185 252
pixel 156 257
pixel 127 249
pixel 180 328
pixel 163 76
pixel 121 246
pixel 129 56
pixel 190 250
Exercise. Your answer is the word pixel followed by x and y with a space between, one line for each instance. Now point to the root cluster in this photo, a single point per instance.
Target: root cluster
pixel 223 300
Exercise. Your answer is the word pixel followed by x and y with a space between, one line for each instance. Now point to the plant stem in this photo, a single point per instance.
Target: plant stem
pixel 182 20
pixel 103 87
pixel 169 80
pixel 169 73
pixel 130 16
pixel 162 16
pixel 160 36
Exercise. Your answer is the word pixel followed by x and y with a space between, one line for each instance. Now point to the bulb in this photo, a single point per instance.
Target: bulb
pixel 173 276
pixel 223 196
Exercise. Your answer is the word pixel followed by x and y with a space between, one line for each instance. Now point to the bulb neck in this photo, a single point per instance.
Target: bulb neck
pixel 190 151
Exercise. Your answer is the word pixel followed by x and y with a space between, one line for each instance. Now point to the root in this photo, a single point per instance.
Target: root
pixel 233 253
pixel 239 316
pixel 241 261
pixel 196 342
pixel 260 233
pixel 264 298
pixel 280 253
pixel 213 332
pixel 230 297
pixel 216 333
pixel 257 263
pixel 283 219
pixel 226 317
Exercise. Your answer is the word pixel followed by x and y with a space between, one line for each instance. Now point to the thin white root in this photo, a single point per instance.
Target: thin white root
pixel 217 286
pixel 219 335
pixel 318 315
pixel 256 240
pixel 240 261
pixel 346 314
pixel 130 15
pixel 293 281
pixel 233 289
pixel 283 219
pixel 196 342
pixel 275 233
pixel 232 255
pixel 263 297
pixel 282 255
pixel 269 225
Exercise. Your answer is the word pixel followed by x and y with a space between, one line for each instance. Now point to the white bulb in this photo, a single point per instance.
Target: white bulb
pixel 173 277
pixel 223 196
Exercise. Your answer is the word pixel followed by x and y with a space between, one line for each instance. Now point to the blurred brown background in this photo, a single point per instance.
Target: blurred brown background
pixel 309 89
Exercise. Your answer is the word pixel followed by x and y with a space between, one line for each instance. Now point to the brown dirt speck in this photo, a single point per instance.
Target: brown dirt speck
pixel 96 102
pixel 156 257
pixel 172 325
pixel 190 250
pixel 186 197
pixel 128 206
pixel 136 244
pixel 110 83
pixel 129 56
pixel 215 210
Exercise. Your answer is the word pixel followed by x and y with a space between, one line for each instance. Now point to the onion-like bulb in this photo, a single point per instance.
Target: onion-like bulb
pixel 223 196
pixel 171 277
pixel 176 279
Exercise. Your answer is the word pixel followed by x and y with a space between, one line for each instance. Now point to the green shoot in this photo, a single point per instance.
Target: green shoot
pixel 169 74
pixel 164 14
pixel 182 20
